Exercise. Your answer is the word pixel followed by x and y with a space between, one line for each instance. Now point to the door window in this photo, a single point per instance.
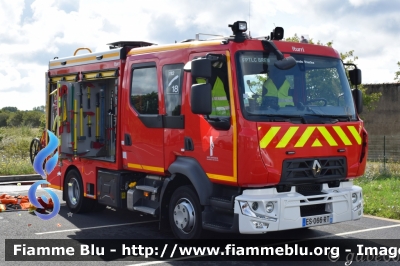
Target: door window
pixel 144 90
pixel 172 79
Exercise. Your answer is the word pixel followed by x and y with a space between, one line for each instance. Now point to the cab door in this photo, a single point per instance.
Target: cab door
pixel 142 126
pixel 214 143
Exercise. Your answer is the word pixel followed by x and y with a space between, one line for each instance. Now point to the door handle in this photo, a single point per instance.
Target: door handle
pixel 128 139
pixel 189 144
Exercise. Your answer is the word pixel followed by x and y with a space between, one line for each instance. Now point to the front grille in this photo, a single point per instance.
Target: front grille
pixel 300 171
pixel 311 210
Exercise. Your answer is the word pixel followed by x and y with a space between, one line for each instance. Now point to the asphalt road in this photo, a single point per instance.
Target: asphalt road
pixel 123 224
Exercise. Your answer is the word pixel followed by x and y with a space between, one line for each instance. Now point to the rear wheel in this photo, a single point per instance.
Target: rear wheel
pixel 185 213
pixel 75 200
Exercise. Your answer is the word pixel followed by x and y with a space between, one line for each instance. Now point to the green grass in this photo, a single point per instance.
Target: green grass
pixel 381 189
pixel 14 149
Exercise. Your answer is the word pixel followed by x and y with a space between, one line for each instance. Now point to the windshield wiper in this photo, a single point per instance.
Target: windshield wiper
pixel 347 117
pixel 280 117
pixel 277 115
pixel 325 118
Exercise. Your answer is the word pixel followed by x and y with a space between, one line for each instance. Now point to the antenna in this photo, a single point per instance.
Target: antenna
pixel 249 15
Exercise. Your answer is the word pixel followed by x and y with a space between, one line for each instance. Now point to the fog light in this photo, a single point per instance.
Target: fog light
pixel 254 206
pixel 354 197
pixel 269 207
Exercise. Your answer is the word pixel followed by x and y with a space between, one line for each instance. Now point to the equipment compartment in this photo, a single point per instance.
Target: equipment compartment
pixel 84 115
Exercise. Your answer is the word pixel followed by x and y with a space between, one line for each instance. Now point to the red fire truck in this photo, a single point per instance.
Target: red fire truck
pixel 137 130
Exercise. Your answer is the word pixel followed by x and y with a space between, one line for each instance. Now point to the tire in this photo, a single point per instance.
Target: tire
pixel 75 200
pixel 34 149
pixel 185 213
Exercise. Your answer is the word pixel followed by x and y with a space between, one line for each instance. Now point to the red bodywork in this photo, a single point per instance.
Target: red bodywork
pixel 238 157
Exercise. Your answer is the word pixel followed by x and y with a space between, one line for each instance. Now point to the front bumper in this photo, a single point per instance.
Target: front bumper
pixel 290 208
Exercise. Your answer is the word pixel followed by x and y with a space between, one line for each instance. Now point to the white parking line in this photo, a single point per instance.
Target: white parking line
pixel 94 227
pixel 319 237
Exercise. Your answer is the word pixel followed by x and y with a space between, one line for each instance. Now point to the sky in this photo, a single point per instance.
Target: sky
pixel 33 32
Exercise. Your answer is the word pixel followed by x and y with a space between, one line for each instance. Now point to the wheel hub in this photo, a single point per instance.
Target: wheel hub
pixel 73 191
pixel 184 216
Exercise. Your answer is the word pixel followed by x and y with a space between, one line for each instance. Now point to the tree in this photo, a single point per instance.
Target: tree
pixel 39 108
pixel 397 73
pixel 10 109
pixel 370 100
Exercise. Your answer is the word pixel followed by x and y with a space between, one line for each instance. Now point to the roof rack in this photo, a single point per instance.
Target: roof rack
pixel 262 38
pixel 198 36
pixel 131 44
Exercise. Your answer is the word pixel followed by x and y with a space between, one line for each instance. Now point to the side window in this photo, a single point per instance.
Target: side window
pixel 172 79
pixel 144 90
pixel 220 90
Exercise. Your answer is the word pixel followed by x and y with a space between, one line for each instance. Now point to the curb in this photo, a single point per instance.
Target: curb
pixel 11 178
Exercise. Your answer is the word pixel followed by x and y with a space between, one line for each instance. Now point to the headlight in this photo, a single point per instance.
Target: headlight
pixel 269 207
pixel 354 197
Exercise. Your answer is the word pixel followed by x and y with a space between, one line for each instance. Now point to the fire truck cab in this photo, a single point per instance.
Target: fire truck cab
pixel 235 134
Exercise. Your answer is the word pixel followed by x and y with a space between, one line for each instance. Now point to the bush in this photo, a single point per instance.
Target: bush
pixel 3 118
pixel 32 118
pixel 15 119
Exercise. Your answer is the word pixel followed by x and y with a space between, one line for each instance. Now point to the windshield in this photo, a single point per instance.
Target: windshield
pixel 316 86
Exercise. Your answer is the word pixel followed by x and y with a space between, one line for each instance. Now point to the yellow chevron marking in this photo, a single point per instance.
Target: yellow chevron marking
pixel 303 139
pixel 342 135
pixel 355 134
pixel 327 136
pixel 269 136
pixel 316 143
pixel 287 137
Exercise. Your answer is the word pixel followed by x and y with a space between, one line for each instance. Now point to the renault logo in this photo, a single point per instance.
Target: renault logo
pixel 316 168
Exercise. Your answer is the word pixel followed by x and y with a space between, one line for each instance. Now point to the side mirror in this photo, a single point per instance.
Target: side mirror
pixel 200 99
pixel 357 96
pixel 201 68
pixel 286 63
pixel 355 76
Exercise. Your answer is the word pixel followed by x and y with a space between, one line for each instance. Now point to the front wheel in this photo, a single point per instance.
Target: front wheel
pixel 75 199
pixel 185 213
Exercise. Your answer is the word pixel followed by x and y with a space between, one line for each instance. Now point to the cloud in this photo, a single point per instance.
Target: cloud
pixel 67 6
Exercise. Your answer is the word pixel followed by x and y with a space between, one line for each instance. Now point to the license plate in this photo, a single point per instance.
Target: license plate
pixel 317 220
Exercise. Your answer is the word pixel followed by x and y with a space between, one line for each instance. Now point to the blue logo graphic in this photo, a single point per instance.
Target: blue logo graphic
pixel 49 167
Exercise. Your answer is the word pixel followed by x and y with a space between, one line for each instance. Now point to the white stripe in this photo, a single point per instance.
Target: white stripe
pixel 222 98
pixel 221 108
pixel 285 100
pixel 94 227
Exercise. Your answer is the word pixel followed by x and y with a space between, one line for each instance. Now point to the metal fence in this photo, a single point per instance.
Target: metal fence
pixel 384 148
